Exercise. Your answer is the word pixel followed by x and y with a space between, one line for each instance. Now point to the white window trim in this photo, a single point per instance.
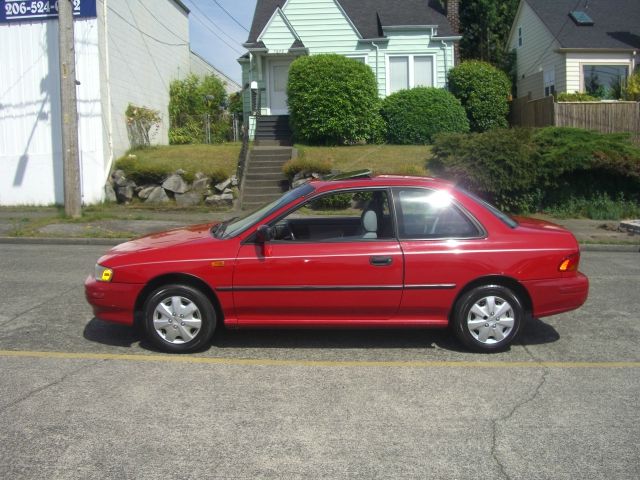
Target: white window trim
pixel 608 63
pixel 364 55
pixel 411 56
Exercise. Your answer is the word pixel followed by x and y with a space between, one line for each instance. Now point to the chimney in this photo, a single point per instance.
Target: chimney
pixel 453 14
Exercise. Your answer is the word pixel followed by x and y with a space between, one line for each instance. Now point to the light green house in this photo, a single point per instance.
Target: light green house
pixel 407 43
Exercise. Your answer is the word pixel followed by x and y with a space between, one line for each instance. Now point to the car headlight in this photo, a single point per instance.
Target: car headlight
pixel 103 274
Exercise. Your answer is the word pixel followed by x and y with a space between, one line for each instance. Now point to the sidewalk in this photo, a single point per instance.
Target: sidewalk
pixel 45 225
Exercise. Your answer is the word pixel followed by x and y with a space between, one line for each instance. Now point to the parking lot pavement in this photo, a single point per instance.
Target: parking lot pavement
pixel 80 398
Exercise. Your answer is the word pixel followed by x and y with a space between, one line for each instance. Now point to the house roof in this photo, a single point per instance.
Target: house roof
pixel 616 23
pixel 368 16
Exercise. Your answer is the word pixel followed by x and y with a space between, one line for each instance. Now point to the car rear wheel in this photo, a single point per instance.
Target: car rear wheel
pixel 488 318
pixel 179 319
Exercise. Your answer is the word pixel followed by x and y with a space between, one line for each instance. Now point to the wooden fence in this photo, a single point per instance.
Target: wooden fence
pixel 606 117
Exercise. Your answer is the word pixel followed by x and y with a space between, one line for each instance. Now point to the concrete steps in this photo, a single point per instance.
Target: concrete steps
pixel 264 181
pixel 273 130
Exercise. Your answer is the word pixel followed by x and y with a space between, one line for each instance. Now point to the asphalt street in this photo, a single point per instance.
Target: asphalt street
pixel 80 398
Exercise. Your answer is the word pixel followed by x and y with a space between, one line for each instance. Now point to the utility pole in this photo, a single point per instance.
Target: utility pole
pixel 70 157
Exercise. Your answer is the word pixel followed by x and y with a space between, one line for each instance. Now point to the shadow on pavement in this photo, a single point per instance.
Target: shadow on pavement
pixel 535 332
pixel 107 333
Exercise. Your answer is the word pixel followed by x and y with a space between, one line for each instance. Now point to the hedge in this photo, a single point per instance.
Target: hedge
pixel 414 116
pixel 333 100
pixel 484 92
pixel 525 170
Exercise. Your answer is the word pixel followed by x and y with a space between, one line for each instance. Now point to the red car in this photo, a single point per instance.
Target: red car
pixel 375 252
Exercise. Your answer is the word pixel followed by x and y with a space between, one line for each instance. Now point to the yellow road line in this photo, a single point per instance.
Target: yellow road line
pixel 311 363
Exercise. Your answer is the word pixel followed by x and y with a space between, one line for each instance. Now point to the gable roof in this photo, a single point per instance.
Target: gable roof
pixel 368 16
pixel 616 23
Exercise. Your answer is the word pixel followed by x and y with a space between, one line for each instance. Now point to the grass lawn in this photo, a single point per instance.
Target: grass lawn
pixel 216 161
pixel 390 159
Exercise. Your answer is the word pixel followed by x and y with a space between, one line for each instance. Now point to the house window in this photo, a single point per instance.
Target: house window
pixel 519 36
pixel 549 82
pixel 409 71
pixel 361 59
pixel 605 81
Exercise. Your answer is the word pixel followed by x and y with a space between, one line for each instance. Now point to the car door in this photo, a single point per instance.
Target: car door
pixel 323 266
pixel 440 241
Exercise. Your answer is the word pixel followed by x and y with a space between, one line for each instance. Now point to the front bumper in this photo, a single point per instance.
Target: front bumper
pixel 112 302
pixel 559 295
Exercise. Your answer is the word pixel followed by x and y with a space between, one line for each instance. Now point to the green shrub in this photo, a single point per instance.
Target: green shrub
pixel 576 97
pixel 301 164
pixel 333 100
pixel 484 93
pixel 415 116
pixel 335 201
pixel 190 101
pixel 632 90
pixel 523 170
pixel 501 164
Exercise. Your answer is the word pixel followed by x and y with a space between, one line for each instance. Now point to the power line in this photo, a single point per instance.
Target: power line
pixel 216 26
pixel 144 33
pixel 230 16
pixel 160 22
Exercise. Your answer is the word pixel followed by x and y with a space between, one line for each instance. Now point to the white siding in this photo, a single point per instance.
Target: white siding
pixel 536 54
pixel 146 52
pixel 278 35
pixel 30 131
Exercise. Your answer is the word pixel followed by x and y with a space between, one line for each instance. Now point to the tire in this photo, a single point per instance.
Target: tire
pixel 179 319
pixel 488 318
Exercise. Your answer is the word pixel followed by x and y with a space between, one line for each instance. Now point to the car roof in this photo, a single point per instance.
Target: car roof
pixel 382 181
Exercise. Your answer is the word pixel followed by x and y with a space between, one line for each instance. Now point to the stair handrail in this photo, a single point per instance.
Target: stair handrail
pixel 244 153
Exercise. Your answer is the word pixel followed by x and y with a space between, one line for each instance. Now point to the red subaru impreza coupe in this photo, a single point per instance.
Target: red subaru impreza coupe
pixel 375 252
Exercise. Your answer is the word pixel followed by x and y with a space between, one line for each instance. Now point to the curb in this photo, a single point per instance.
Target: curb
pixel 584 247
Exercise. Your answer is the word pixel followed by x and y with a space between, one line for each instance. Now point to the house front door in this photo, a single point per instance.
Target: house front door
pixel 278 77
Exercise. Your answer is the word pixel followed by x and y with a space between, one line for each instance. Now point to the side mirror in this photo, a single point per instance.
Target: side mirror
pixel 264 234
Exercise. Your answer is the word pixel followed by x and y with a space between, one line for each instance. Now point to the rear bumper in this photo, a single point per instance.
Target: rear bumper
pixel 559 295
pixel 112 302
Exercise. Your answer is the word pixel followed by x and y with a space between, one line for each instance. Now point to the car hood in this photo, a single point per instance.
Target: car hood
pixel 169 238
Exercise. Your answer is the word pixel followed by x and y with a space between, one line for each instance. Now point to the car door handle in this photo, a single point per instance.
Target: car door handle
pixel 380 261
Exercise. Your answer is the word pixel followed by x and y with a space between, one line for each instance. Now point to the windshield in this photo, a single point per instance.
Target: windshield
pixel 510 222
pixel 238 225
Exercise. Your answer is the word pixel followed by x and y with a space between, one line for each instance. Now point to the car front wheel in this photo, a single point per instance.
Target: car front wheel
pixel 179 318
pixel 488 318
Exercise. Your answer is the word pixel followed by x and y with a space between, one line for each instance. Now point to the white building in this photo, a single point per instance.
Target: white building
pixel 127 51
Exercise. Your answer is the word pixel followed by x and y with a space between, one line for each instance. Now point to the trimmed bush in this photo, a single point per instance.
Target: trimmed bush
pixel 414 116
pixel 524 170
pixel 484 93
pixel 333 100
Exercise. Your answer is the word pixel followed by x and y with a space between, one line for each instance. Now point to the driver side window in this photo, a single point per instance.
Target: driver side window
pixel 351 215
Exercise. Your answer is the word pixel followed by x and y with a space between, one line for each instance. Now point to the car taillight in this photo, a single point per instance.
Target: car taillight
pixel 570 263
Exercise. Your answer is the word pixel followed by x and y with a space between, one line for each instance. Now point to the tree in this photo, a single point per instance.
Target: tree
pixel 485 26
pixel 195 105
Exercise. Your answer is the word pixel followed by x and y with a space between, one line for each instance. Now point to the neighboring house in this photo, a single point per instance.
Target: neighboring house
pixel 588 46
pixel 407 43
pixel 200 67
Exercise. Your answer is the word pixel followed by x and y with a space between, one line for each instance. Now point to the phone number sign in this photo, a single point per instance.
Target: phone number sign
pixel 21 10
